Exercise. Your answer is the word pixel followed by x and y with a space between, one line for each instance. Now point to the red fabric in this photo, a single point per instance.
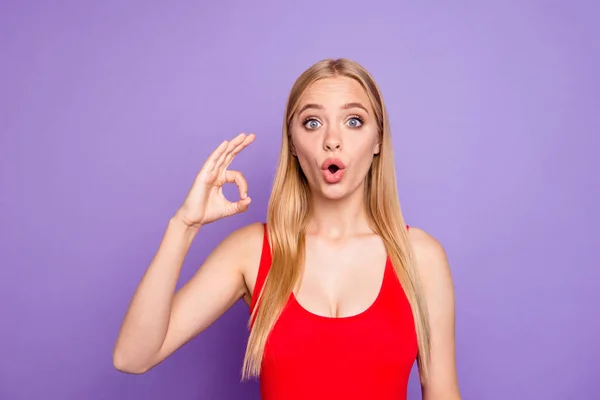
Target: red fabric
pixel 366 356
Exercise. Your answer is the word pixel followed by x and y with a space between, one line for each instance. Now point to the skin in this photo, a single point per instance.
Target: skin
pixel 339 279
pixel 344 259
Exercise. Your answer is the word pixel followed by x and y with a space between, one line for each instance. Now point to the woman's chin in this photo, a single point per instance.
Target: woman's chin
pixel 336 191
pixel 333 191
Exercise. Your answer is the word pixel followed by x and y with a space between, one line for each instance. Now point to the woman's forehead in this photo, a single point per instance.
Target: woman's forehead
pixel 338 92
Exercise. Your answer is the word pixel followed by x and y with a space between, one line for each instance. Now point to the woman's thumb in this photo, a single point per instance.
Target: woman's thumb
pixel 242 205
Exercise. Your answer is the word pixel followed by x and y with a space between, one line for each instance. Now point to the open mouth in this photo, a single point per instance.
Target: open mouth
pixel 333 165
pixel 333 168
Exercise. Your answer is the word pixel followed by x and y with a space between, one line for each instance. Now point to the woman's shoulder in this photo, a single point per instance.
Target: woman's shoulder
pixel 247 243
pixel 247 239
pixel 430 257
pixel 251 231
pixel 423 241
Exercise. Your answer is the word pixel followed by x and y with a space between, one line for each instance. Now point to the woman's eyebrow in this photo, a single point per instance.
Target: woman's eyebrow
pixel 310 105
pixel 320 107
pixel 355 105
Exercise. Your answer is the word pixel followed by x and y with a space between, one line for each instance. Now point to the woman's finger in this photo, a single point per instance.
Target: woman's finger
pixel 241 205
pixel 231 155
pixel 237 178
pixel 212 160
pixel 230 147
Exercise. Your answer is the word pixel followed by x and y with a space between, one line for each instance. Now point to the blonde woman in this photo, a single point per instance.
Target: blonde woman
pixel 344 297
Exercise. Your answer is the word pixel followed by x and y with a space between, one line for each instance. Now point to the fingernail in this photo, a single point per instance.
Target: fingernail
pixel 244 195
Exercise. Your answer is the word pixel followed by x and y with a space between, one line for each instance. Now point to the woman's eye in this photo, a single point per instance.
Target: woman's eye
pixel 312 124
pixel 354 122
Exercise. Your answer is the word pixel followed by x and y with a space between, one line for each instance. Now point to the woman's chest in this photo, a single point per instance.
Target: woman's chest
pixel 383 337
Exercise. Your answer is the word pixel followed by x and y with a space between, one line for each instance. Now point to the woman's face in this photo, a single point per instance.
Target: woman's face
pixel 334 136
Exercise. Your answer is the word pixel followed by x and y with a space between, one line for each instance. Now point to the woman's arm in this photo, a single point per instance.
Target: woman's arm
pixel 436 279
pixel 159 321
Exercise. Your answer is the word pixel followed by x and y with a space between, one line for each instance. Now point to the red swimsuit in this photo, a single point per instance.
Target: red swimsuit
pixel 365 356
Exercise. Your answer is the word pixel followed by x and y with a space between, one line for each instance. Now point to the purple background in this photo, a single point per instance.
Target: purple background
pixel 107 111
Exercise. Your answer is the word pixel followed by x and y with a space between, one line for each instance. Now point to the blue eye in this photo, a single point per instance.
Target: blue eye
pixel 311 123
pixel 355 122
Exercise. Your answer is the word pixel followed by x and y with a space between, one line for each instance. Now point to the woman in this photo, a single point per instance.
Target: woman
pixel 347 295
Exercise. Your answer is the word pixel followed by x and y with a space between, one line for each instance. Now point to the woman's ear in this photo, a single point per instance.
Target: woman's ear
pixel 377 148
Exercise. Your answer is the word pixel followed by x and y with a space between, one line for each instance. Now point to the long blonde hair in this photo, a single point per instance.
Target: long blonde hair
pixel 289 210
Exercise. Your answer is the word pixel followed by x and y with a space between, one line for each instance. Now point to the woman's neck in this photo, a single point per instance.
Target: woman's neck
pixel 337 219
